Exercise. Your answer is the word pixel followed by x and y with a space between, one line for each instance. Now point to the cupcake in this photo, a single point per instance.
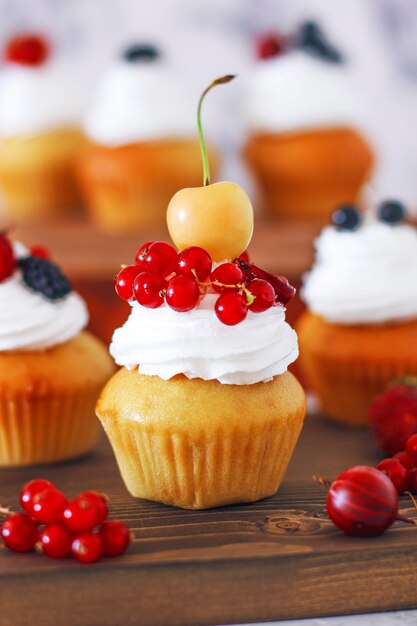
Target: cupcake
pixel 203 412
pixel 143 145
pixel 40 136
pixel 304 146
pixel 51 370
pixel 360 330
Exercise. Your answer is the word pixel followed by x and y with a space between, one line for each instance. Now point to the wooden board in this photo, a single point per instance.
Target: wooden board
pixel 280 558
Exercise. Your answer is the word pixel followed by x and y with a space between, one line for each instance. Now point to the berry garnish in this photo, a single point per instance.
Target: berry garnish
pixel 87 548
pixel 393 416
pixel 194 262
pixel 347 218
pixel 160 259
pixel 115 536
pixel 284 292
pixel 226 277
pixel 81 514
pixel 149 290
pixel 45 277
pixel 19 532
pixel 404 459
pixel 182 293
pixel 391 212
pixel 40 252
pixel 48 506
pixel 396 472
pixel 55 541
pixel 30 50
pixel 231 308
pixel 31 491
pixel 362 502
pixel 263 293
pixel 270 45
pixel 140 52
pixel 7 258
pixel 124 281
pixel 141 253
pixel 311 38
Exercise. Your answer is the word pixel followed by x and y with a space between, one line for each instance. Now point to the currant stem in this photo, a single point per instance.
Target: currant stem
pixel 206 166
pixel 4 510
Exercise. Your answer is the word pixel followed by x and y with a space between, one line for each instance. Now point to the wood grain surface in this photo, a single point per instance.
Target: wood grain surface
pixel 279 558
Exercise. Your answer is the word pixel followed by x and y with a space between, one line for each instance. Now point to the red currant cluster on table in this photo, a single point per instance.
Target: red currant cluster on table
pixel 402 467
pixel 59 528
pixel 181 279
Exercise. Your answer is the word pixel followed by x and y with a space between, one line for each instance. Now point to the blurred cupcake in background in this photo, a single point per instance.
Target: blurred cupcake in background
pixel 40 136
pixel 360 331
pixel 143 144
pixel 303 116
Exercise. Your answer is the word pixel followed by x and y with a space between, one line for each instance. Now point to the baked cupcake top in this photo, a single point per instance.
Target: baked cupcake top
pixel 37 91
pixel 140 99
pixel 300 82
pixel 38 308
pixel 365 270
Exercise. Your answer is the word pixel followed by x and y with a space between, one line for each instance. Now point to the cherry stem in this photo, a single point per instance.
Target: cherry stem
pixel 206 166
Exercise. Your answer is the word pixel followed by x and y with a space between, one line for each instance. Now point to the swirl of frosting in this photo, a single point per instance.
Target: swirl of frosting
pixel 139 102
pixel 365 276
pixel 162 342
pixel 34 100
pixel 297 91
pixel 29 321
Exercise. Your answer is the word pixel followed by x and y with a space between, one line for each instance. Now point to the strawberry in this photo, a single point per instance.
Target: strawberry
pixel 393 415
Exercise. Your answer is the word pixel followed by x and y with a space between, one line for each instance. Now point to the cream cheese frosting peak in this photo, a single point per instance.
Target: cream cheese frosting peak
pixel 162 342
pixel 365 276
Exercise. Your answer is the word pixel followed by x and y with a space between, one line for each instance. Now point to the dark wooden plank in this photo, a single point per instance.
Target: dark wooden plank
pixel 280 558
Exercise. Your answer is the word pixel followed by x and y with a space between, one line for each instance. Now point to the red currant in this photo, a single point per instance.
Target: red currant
pixel 264 295
pixel 48 506
pixel 149 290
pixel 182 293
pixel 100 502
pixel 270 45
pixel 27 50
pixel 56 541
pixel 19 533
pixel 160 259
pixel 40 252
pixel 124 281
pixel 7 259
pixel 115 536
pixel 31 490
pixel 411 448
pixel 231 308
pixel 404 459
pixel 81 514
pixel 193 262
pixel 396 472
pixel 87 548
pixel 229 275
pixel 141 253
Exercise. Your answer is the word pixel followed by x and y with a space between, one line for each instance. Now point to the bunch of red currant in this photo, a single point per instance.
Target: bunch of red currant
pixel 60 528
pixel 402 467
pixel 181 278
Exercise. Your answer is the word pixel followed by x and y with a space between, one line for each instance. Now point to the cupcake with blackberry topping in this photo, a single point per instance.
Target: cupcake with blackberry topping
pixel 51 369
pixel 143 146
pixel 360 330
pixel 203 411
pixel 306 146
pixel 41 112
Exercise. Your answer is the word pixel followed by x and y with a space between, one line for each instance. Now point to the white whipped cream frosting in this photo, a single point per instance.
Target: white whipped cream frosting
pixel 297 91
pixel 139 102
pixel 365 276
pixel 162 342
pixel 34 100
pixel 29 321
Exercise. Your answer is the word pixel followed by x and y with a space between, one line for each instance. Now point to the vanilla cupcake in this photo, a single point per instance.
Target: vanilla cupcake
pixel 143 144
pixel 360 330
pixel 51 369
pixel 40 135
pixel 305 146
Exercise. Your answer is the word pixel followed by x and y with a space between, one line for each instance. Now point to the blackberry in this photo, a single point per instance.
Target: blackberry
pixel 347 218
pixel 311 38
pixel 140 52
pixel 391 212
pixel 44 277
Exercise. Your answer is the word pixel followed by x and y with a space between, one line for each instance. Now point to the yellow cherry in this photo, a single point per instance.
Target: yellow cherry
pixel 218 217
